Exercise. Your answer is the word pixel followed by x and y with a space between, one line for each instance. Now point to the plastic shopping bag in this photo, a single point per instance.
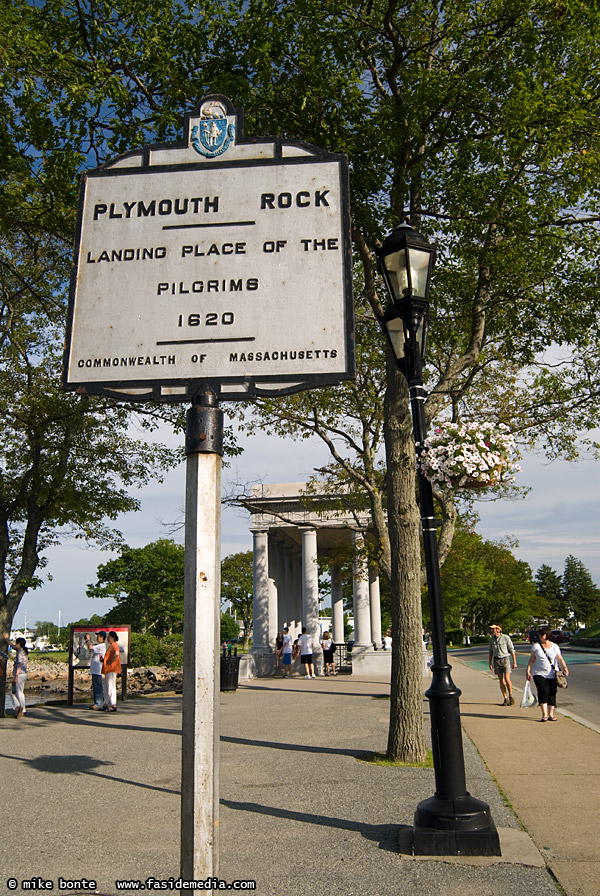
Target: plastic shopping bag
pixel 528 698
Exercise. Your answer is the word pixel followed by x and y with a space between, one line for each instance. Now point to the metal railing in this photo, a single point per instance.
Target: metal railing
pixel 342 658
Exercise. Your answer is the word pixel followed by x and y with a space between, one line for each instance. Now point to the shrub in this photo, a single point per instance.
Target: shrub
pixel 148 650
pixel 144 650
pixel 171 651
pixel 585 642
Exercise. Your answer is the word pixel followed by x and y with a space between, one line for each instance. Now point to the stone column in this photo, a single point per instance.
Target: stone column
pixel 310 583
pixel 375 607
pixel 280 582
pixel 337 604
pixel 297 592
pixel 360 581
pixel 260 598
pixel 272 601
pixel 288 586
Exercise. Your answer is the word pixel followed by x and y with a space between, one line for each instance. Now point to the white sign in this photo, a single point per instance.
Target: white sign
pixel 220 262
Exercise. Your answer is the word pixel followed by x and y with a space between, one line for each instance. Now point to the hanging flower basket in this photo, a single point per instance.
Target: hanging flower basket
pixel 469 455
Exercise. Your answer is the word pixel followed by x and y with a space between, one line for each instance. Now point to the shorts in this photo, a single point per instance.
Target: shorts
pixel 501 664
pixel 306 658
pixel 328 656
pixel 287 659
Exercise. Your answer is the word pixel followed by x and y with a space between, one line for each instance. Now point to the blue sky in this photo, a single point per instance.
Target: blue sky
pixel 559 517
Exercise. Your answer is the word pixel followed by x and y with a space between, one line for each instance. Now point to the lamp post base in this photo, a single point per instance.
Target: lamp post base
pixel 459 827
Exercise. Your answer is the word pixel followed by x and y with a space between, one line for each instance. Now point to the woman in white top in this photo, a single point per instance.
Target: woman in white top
pixel 19 676
pixel 542 665
pixel 328 647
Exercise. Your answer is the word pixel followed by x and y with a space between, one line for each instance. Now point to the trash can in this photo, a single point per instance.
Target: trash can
pixel 230 669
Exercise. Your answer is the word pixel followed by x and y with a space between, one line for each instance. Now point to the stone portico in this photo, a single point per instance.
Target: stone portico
pixel 290 529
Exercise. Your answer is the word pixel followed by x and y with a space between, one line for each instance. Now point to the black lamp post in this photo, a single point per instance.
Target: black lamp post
pixel 451 822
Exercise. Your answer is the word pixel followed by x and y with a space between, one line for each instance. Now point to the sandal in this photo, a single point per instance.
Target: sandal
pixel 544 720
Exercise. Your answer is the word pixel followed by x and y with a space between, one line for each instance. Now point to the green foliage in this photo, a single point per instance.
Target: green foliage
pixel 143 650
pixel 49 629
pixel 590 631
pixel 92 620
pixel 237 587
pixel 455 636
pixel 580 593
pixel 53 656
pixel 229 628
pixel 149 650
pixel 170 651
pixel 147 585
pixel 67 465
pixel 382 760
pixel 483 582
pixel 548 586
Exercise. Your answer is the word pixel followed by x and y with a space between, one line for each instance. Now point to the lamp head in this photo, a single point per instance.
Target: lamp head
pixel 405 261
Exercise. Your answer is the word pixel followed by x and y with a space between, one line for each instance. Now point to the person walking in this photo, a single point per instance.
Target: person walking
pixel 111 666
pixel 19 675
pixel 278 648
pixel 288 642
pixel 545 657
pixel 328 647
pixel 306 654
pixel 97 655
pixel 500 651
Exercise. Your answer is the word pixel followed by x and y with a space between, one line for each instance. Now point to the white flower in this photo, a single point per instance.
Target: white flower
pixel 455 454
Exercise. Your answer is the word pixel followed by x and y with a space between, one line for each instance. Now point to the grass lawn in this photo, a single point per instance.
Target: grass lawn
pixel 52 656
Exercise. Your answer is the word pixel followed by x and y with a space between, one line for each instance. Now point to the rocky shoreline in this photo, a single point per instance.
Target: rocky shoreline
pixel 53 678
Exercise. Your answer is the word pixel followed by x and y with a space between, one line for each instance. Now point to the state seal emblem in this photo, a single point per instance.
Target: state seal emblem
pixel 213 134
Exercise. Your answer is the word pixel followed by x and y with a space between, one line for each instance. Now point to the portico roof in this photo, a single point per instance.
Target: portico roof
pixel 291 507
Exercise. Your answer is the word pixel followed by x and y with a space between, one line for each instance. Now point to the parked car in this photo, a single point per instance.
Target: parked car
pixel 534 636
pixel 558 636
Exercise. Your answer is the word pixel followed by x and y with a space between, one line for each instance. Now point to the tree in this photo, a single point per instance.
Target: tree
pixel 465 579
pixel 229 628
pixel 147 585
pixel 483 582
pixel 66 465
pixel 237 588
pixel 548 585
pixel 580 593
pixel 464 122
pixel 476 122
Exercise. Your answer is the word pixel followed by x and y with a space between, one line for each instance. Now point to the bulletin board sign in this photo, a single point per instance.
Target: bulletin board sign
pixel 80 656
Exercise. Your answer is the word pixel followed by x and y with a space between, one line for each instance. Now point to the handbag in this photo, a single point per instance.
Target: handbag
pixel 561 678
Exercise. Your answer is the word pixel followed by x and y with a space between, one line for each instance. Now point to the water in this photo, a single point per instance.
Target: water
pixel 35 696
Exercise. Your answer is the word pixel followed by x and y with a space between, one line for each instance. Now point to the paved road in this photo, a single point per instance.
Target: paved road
pixel 582 697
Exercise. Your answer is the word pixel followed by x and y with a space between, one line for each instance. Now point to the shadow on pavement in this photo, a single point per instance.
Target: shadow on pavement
pixel 385 835
pixel 303 748
pixel 80 765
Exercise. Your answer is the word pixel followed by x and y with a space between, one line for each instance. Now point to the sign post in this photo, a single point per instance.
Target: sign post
pixel 217 268
pixel 201 655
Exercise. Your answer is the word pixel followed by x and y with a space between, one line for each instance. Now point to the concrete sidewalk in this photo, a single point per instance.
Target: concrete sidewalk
pixel 94 796
pixel 549 773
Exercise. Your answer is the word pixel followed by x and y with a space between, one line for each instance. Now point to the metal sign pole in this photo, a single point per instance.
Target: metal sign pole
pixel 201 655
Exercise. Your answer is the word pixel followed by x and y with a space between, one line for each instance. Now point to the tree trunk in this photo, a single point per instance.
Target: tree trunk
pixel 406 738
